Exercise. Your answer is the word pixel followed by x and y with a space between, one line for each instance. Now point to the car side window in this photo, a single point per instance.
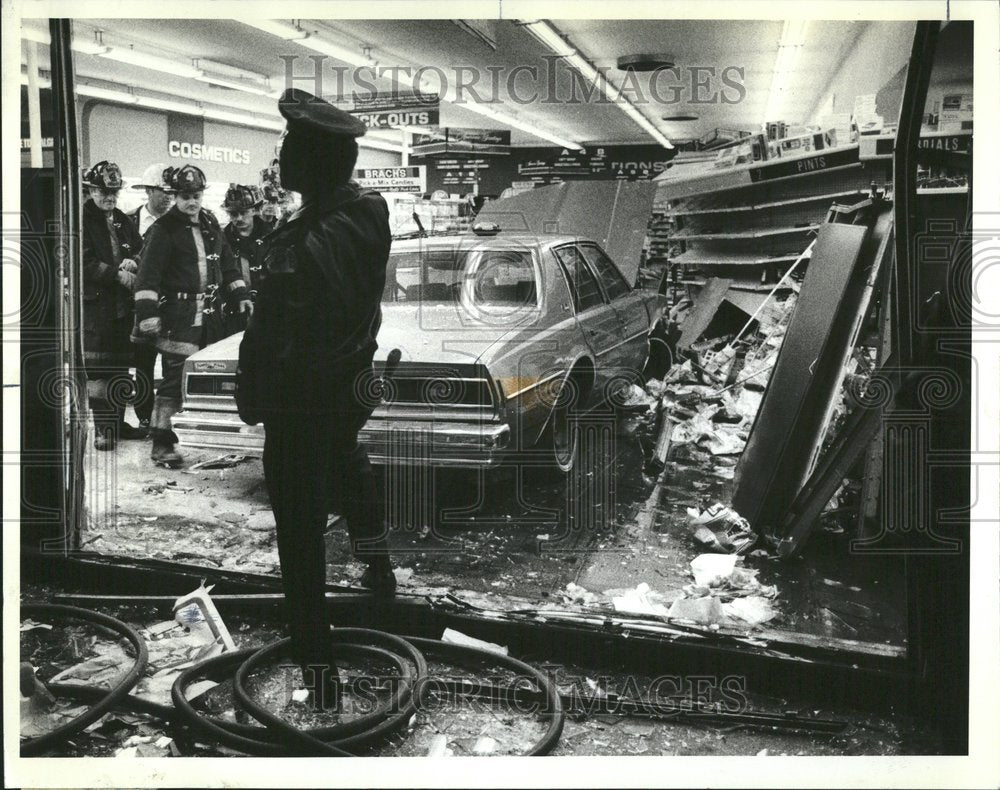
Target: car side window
pixel 611 278
pixel 586 292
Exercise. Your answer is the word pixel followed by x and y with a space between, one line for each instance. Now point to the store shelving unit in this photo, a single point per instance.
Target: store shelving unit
pixel 751 222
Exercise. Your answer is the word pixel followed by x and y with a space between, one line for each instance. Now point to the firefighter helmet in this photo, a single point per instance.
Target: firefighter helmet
pixel 241 198
pixel 104 175
pixel 187 179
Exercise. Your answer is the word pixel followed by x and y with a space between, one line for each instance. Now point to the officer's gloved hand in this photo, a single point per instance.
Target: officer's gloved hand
pixel 127 278
pixel 246 306
pixel 150 327
pixel 128 265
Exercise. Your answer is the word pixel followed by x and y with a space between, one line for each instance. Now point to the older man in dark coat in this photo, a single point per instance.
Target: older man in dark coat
pixel 110 246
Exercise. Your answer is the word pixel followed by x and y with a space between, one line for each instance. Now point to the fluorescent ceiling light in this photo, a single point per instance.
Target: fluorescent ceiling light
pixel 169 106
pixel 239 85
pixel 246 120
pixel 224 70
pixel 147 61
pixel 280 29
pixel 104 93
pixel 551 38
pixel 793 39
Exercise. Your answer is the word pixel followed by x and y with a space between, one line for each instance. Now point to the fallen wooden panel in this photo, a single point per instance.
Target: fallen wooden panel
pixel 706 304
pixel 780 444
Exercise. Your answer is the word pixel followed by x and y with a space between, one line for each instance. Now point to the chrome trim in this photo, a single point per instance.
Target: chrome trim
pixel 623 342
pixel 454 444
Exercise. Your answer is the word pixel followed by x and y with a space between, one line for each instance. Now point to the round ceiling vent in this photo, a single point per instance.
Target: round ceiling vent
pixel 645 62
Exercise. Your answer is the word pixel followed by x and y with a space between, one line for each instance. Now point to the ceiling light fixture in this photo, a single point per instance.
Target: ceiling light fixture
pixel 793 39
pixel 147 61
pixel 550 37
pixel 645 62
pixel 239 85
pixel 283 30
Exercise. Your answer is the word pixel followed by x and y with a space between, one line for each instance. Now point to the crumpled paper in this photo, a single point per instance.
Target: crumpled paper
pixel 721 529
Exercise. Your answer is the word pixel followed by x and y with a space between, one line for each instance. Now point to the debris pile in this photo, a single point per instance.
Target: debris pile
pixel 710 396
pixel 724 593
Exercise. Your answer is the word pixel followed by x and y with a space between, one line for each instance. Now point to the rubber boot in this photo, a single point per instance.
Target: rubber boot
pixel 378 577
pixel 104 414
pixel 164 452
pixel 104 437
pixel 128 432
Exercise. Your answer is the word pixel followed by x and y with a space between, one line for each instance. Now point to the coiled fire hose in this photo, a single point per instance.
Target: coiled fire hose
pixel 276 736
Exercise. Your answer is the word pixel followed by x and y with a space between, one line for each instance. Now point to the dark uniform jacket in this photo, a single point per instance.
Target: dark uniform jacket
pixel 250 249
pixel 107 304
pixel 318 310
pixel 172 286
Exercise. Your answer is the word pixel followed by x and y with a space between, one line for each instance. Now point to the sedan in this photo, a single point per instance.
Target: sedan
pixel 507 341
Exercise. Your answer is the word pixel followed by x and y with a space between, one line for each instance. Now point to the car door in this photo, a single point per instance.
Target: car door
pixel 627 302
pixel 597 319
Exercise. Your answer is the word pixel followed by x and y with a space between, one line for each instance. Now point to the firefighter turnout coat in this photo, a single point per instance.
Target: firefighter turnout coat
pixel 107 304
pixel 249 250
pixel 186 274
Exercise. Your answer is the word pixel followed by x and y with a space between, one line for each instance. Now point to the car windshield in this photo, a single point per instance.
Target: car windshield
pixel 472 277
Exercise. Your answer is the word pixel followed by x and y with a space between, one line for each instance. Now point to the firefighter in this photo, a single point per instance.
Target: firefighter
pixel 111 245
pixel 159 199
pixel 307 346
pixel 186 273
pixel 246 230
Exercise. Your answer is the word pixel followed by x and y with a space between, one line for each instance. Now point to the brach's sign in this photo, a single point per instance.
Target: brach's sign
pixel 393 179
pixel 207 153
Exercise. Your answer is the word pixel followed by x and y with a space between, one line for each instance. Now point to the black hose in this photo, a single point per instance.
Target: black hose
pixel 552 706
pixel 278 737
pixel 110 698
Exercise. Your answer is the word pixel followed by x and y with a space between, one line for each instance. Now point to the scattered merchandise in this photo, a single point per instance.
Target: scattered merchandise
pixel 453 637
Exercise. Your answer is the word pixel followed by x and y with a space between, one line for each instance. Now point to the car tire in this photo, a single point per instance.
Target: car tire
pixel 564 439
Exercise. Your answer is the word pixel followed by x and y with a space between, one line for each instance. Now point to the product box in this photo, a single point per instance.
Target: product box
pixel 956 112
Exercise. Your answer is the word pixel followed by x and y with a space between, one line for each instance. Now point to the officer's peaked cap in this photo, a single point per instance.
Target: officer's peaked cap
pixel 303 110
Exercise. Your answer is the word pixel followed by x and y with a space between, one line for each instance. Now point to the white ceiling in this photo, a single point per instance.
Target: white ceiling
pixel 749 45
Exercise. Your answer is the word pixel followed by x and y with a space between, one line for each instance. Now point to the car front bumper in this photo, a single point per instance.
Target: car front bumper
pixel 387 440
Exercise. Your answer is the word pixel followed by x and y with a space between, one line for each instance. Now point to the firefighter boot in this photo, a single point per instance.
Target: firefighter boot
pixel 164 452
